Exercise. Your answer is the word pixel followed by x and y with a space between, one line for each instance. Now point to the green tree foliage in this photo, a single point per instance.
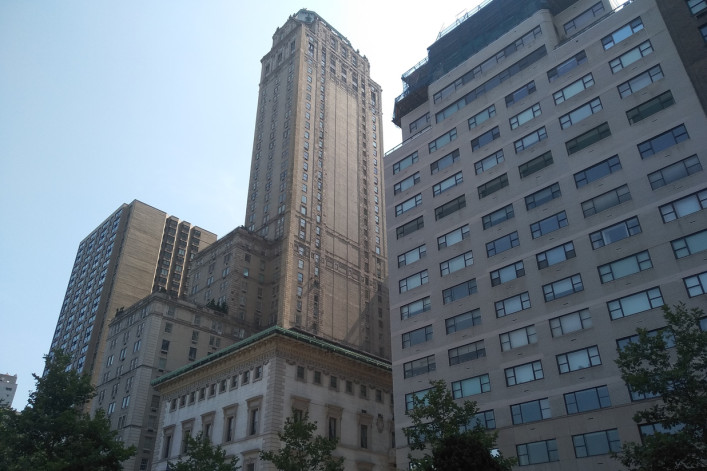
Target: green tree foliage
pixel 651 366
pixel 302 451
pixel 53 433
pixel 203 456
pixel 451 434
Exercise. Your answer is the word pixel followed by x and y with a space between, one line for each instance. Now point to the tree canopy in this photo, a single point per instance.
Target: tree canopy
pixel 203 456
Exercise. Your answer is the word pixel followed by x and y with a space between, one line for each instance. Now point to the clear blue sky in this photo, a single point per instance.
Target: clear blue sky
pixel 96 95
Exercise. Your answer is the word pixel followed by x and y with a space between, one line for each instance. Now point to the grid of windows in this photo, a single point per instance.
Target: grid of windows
pixel 459 291
pixel 580 113
pixel 597 171
pixel 626 31
pixel 470 351
pixel 548 224
pixel 447 184
pixel 498 216
pixel 531 139
pixel 544 451
pixel 535 165
pixel 542 196
pixel 453 237
pixel 492 186
pixel 508 306
pixel 413 281
pixel 463 321
pixel 442 140
pixel 404 163
pixel 502 244
pixel 412 256
pixel 573 89
pixel 555 255
pixel 650 107
pixel 419 367
pixel 571 322
pixel 587 399
pixel 578 359
pixel 518 338
pixel 444 162
pixel 663 141
pixel 606 200
pixel 406 183
pixel 457 263
pixel 630 56
pixel 614 233
pixel 417 336
pixel 696 284
pixel 675 172
pixel 485 138
pixel 596 443
pixel 640 81
pixel 525 116
pixel 684 206
pixel 524 373
pixel 414 308
pixel 489 162
pixel 625 266
pixel 690 244
pixel 564 287
pixel 567 66
pixel 471 386
pixel 531 411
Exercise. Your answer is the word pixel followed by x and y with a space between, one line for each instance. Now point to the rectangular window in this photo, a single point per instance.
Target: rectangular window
pixel 630 56
pixel 564 287
pixel 588 138
pixel 667 337
pixel 411 256
pixel 696 6
pixel 410 398
pixel 541 197
pixel 413 281
pixel 525 116
pixel 625 266
pixel 684 206
pixel 364 435
pixel 471 386
pixel 674 172
pixel 457 263
pixel 572 322
pixel 580 113
pixel 518 338
pixel 597 171
pixel 543 451
pixel 420 122
pixel 405 163
pixel 640 81
pixel 622 33
pixel 521 93
pixel 507 273
pixel 453 237
pixel 555 255
pixel 584 18
pixel 531 411
pixel 578 359
pixel 573 89
pixel 567 66
pixel 463 321
pixel 417 336
pixel 524 373
pixel 650 107
pixel 468 352
pixel 419 367
pixel 549 224
pixel 408 204
pixel 485 138
pixel 409 227
pixel 450 207
pixel 614 233
pixel 489 162
pixel 531 139
pixel 535 165
pixel 502 244
pixel 442 140
pixel 696 285
pixel 444 162
pixel 606 200
pixel 596 443
pixel 587 399
pixel 690 244
pixel 508 306
pixel 493 186
pixel 447 184
pixel 414 308
pixel 459 291
pixel 635 303
pixel 406 183
pixel 487 420
pixel 498 216
pixel 482 116
pixel 663 141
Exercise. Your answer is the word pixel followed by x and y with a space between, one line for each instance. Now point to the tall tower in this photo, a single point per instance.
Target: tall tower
pixel 316 185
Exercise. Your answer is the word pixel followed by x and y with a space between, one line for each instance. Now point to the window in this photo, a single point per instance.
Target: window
pixel 543 451
pixel 525 116
pixel 471 386
pixel 192 353
pixel 696 285
pixel 508 306
pixel 535 165
pixel 468 352
pixel 254 422
pixel 584 18
pixel 588 138
pixel 567 66
pixel 524 373
pixel 507 273
pixel 502 244
pixel 597 171
pixel 690 244
pixel 489 162
pixel 482 116
pixel 463 321
pixel 606 200
pixel 409 227
pixel 555 255
pixel 622 33
pixel 485 138
pixel 674 172
pixel 165 345
pixel 411 256
pixel 413 281
pixel 408 204
pixel 493 186
pixel 615 233
pixel 531 411
pixel 667 337
pixel 521 93
pixel 564 287
pixel 578 359
pixel 442 140
pixel 364 435
pixel 459 291
pixel 498 216
pixel 663 141
pixel 573 89
pixel 444 162
pixel 457 263
pixel 453 237
pixel 650 107
pixel 518 338
pixel 447 184
pixel 417 336
pixel 578 114
pixel 635 303
pixel 624 267
pixel 419 395
pixel 587 399
pixel 420 122
pixel 487 419
pixel 703 28
pixel 548 224
pixel 406 183
pixel 684 206
pixel 450 207
pixel 640 81
pixel 419 367
pixel 404 163
pixel 530 139
pixel 596 443
pixel 631 56
pixel 541 197
pixel 696 6
pixel 572 322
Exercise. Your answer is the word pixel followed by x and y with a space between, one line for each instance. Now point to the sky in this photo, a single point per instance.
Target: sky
pixel 95 97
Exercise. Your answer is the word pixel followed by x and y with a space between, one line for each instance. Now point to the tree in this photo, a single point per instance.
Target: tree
pixel 671 364
pixel 455 439
pixel 53 433
pixel 202 456
pixel 302 451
